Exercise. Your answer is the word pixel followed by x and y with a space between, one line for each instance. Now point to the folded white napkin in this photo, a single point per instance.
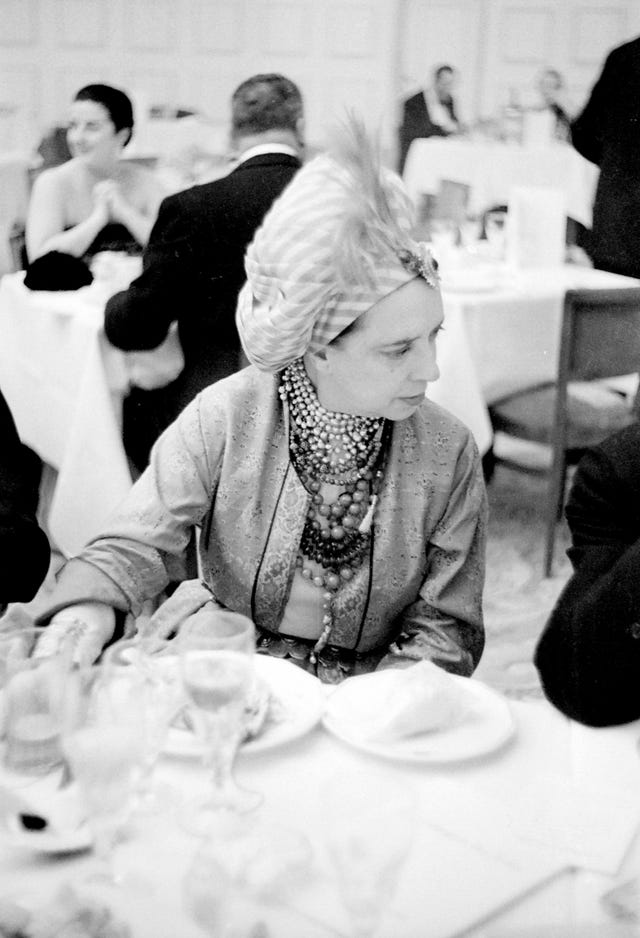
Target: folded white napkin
pixel 397 703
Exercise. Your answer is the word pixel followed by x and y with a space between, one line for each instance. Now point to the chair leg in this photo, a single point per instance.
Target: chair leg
pixel 554 508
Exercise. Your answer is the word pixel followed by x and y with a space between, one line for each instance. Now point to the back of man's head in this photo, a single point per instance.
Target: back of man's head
pixel 265 103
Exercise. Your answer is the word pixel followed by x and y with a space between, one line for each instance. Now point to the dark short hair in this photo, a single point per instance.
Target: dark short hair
pixel 265 102
pixel 116 103
pixel 441 69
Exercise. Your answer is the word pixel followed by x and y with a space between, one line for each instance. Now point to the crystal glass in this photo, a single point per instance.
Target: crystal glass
pixel 216 660
pixel 495 228
pixel 158 668
pixel 31 691
pixel 242 882
pixel 103 740
pixel 369 830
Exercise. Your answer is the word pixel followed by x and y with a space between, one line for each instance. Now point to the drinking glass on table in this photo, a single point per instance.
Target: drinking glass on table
pixel 217 650
pixel 156 664
pixel 495 229
pixel 245 880
pixel 103 740
pixel 369 830
pixel 31 690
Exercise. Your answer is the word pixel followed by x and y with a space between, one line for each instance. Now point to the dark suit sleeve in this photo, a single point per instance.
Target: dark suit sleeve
pixel 139 318
pixel 24 548
pixel 587 129
pixel 589 656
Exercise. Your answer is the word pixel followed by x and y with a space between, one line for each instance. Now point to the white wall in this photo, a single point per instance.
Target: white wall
pixel 194 53
pixel 360 53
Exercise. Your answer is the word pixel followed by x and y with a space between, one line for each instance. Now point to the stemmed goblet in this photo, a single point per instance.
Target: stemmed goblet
pixel 369 831
pixel 156 665
pixel 102 737
pixel 216 660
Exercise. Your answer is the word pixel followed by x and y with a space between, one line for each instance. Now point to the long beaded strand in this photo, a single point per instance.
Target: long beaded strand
pixel 338 449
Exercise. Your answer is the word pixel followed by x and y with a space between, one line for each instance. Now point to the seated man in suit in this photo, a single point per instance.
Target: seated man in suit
pixel 430 113
pixel 589 654
pixel 193 266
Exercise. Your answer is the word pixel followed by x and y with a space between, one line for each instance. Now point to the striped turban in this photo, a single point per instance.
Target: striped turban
pixel 332 245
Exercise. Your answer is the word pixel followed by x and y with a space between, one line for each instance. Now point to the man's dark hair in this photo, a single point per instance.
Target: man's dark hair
pixel 265 102
pixel 442 70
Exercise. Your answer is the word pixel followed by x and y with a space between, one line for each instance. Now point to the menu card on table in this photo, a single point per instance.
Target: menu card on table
pixel 536 227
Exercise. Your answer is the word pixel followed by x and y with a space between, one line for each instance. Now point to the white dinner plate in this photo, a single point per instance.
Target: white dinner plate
pixel 65 831
pixel 487 725
pixel 295 706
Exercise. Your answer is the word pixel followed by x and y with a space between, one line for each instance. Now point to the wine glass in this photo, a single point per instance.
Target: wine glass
pixel 216 660
pixel 495 228
pixel 103 740
pixel 157 666
pixel 245 877
pixel 369 831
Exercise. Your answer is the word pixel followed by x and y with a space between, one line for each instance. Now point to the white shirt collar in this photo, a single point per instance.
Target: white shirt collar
pixel 263 148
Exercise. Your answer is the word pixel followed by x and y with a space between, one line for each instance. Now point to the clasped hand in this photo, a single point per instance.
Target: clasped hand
pixel 109 201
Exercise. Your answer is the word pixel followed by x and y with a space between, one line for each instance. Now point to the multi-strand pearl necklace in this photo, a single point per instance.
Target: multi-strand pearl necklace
pixel 335 449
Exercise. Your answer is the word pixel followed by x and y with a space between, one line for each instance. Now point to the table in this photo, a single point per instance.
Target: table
pixel 492 168
pixel 504 335
pixel 495 840
pixel 64 384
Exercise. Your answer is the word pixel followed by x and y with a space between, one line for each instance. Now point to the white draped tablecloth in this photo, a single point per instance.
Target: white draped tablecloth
pixel 64 384
pixel 500 338
pixel 495 838
pixel 492 168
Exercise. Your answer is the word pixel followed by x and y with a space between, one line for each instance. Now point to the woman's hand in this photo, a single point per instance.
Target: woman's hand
pixel 87 627
pixel 108 194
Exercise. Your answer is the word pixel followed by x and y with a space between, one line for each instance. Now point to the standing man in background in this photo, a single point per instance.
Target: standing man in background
pixel 430 113
pixel 193 265
pixel 607 133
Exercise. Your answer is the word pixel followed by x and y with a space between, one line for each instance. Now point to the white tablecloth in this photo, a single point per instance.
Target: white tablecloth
pixel 491 169
pixel 484 836
pixel 64 384
pixel 499 340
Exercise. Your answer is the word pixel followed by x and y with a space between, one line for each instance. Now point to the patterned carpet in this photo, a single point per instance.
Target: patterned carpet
pixel 517 598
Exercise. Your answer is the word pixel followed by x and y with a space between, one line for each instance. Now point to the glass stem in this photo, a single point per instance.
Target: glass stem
pixel 220 754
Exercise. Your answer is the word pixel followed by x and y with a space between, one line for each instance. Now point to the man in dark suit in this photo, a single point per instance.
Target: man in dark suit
pixel 193 265
pixel 589 653
pixel 607 133
pixel 24 547
pixel 429 113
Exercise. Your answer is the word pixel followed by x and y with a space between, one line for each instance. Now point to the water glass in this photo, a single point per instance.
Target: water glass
pixel 216 661
pixel 103 740
pixel 244 875
pixel 369 832
pixel 495 229
pixel 31 695
pixel 156 665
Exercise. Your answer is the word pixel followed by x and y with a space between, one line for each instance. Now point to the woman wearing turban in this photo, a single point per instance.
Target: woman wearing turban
pixel 337 507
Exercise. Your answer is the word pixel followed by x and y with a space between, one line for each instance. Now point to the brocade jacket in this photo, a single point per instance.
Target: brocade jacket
pixel 224 466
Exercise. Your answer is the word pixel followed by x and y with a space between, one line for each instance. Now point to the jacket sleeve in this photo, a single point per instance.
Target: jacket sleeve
pixel 143 543
pixel 24 548
pixel 589 126
pixel 589 653
pixel 139 318
pixel 444 624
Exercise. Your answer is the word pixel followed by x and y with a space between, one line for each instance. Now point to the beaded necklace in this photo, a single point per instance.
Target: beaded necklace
pixel 337 449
